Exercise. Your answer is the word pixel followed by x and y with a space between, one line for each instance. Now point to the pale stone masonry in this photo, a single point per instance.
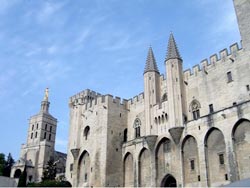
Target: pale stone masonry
pixel 188 128
pixel 40 146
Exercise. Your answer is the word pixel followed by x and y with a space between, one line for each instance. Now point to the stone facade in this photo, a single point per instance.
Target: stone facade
pixel 188 128
pixel 40 146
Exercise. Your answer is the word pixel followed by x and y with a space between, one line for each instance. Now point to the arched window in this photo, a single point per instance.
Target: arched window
pixel 86 132
pixel 156 120
pixel 137 125
pixel 162 118
pixel 195 109
pixel 164 97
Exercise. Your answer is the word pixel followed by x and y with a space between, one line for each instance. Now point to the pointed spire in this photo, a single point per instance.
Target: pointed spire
pixel 173 52
pixel 150 63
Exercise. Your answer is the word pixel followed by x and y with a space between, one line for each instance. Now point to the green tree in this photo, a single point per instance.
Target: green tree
pixel 9 163
pixel 50 171
pixel 22 179
pixel 2 163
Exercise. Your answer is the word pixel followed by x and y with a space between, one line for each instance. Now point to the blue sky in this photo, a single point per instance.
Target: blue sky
pixel 102 45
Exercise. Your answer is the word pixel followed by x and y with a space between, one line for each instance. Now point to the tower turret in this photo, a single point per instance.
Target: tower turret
pixel 151 87
pixel 175 86
pixel 242 8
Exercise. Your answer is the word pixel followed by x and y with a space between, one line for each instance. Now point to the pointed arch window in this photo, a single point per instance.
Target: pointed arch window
pixel 164 97
pixel 195 109
pixel 137 126
pixel 86 132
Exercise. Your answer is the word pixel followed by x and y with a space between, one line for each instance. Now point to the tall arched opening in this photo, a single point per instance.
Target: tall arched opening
pixel 190 160
pixel 17 173
pixel 215 151
pixel 163 159
pixel 241 142
pixel 144 168
pixel 83 169
pixel 128 170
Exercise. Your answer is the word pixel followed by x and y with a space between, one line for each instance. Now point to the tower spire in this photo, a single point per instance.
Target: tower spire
pixel 150 62
pixel 45 103
pixel 46 95
pixel 172 52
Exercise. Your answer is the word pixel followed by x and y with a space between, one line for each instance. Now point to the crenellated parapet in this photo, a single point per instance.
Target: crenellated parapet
pixel 214 60
pixel 89 99
pixel 138 99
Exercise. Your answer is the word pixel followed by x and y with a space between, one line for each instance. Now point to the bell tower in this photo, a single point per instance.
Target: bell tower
pixel 40 144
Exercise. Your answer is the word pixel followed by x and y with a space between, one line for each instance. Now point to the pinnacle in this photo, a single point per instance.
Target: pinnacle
pixel 173 52
pixel 150 62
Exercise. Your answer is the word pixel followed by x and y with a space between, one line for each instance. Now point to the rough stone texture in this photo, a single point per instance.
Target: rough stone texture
pixel 127 136
pixel 39 147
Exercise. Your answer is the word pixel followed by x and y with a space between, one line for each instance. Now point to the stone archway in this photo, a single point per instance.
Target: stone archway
pixel 17 173
pixel 144 168
pixel 162 159
pixel 241 142
pixel 128 170
pixel 83 174
pixel 190 161
pixel 215 153
pixel 169 181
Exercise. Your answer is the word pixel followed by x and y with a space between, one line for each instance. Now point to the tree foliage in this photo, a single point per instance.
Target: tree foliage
pixel 2 163
pixel 9 163
pixel 5 166
pixel 50 171
pixel 22 179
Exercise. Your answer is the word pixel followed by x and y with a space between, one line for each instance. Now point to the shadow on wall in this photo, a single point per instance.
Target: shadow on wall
pixel 7 182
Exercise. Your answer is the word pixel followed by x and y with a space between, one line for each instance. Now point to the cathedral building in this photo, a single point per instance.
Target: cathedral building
pixel 186 129
pixel 40 146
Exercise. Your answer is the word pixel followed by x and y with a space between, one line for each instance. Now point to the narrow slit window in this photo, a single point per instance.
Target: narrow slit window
pixel 229 77
pixel 248 88
pixel 192 164
pixel 211 108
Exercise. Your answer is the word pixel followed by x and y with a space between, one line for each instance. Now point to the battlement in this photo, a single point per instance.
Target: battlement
pixel 214 59
pixel 89 99
pixel 136 100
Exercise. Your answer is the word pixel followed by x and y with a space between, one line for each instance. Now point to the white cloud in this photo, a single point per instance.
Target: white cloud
pixel 48 10
pixel 52 49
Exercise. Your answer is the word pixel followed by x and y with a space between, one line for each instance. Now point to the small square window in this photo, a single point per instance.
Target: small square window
pixel 221 159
